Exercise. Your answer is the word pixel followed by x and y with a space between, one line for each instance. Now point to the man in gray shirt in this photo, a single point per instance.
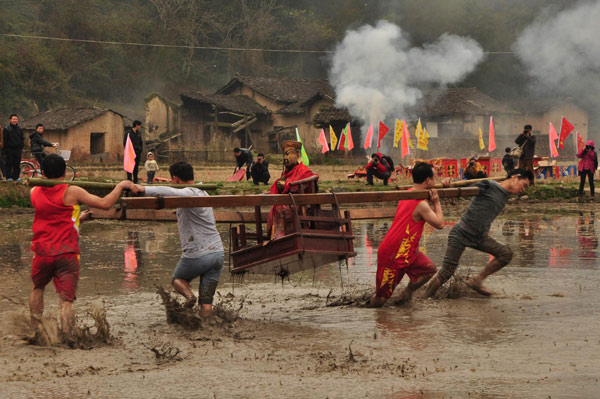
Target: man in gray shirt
pixel 201 246
pixel 473 228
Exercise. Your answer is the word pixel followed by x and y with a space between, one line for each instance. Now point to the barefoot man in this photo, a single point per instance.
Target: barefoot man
pixel 399 252
pixel 473 228
pixel 56 238
pixel 201 246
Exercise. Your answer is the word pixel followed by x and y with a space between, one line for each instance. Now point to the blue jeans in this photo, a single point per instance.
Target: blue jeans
pixel 208 267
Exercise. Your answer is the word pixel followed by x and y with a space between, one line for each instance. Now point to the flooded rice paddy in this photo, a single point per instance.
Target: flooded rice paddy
pixel 537 337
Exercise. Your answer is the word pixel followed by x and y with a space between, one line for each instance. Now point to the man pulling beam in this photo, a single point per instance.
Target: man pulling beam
pixel 473 230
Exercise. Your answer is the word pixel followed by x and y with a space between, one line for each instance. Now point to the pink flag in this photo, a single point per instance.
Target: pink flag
pixel 565 129
pixel 369 139
pixel 492 138
pixel 552 135
pixel 129 156
pixel 580 145
pixel 404 143
pixel 350 141
pixel 383 129
pixel 323 142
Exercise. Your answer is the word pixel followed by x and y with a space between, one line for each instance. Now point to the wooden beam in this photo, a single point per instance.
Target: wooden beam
pixel 229 201
pixel 244 126
pixel 227 216
pixel 88 185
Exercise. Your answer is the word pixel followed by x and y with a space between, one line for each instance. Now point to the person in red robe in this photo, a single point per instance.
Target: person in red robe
pixel 294 171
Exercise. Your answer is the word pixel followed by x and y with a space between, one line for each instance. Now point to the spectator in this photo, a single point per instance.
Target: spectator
pixel 13 148
pixel 587 166
pixel 243 157
pixel 151 167
pixel 138 145
pixel 260 170
pixel 378 167
pixel 508 162
pixel 527 141
pixel 38 143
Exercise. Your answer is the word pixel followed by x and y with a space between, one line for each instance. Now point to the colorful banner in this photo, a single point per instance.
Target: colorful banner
pixel 481 143
pixel 565 129
pixel 332 138
pixel 369 139
pixel 397 132
pixel 552 135
pixel 492 137
pixel 304 155
pixel 129 156
pixel 383 129
pixel 323 142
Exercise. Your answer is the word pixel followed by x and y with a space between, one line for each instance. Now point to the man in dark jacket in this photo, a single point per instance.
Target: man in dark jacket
pixel 13 147
pixel 527 141
pixel 260 170
pixel 379 168
pixel 243 157
pixel 38 143
pixel 138 146
pixel 508 161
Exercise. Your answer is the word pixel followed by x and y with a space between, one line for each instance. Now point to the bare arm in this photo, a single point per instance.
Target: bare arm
pixel 435 216
pixel 75 195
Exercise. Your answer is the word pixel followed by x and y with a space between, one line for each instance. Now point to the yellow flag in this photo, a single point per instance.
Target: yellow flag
pixel 418 131
pixel 410 144
pixel 332 138
pixel 481 143
pixel 397 133
pixel 423 142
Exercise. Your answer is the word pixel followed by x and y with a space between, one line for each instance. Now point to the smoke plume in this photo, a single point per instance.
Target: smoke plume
pixel 377 74
pixel 563 51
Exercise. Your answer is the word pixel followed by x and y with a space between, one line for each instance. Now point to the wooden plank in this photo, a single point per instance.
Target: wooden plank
pixel 228 201
pixel 89 185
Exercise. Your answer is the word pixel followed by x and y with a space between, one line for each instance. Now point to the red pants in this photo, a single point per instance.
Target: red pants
pixel 63 269
pixel 389 276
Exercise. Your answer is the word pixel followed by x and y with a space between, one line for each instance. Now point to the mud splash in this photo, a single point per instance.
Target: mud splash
pixel 91 330
pixel 225 313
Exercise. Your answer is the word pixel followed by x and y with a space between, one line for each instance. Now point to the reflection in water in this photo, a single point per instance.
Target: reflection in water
pixel 586 234
pixel 133 260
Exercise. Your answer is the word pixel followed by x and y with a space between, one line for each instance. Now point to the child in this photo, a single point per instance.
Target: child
pixel 399 252
pixel 55 240
pixel 151 167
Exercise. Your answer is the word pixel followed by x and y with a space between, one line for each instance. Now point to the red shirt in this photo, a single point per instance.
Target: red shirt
pixel 55 225
pixel 400 244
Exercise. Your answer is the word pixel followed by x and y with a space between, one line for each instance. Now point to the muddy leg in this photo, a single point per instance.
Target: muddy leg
pixel 36 306
pixel 183 287
pixel 207 292
pixel 67 316
pixel 412 286
pixel 502 256
pixel 377 301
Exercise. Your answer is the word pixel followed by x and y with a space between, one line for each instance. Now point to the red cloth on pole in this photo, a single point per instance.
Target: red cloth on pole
pixel 565 129
pixel 369 139
pixel 323 142
pixel 492 137
pixel 383 129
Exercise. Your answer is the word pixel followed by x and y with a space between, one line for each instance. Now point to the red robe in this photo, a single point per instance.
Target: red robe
pixel 280 213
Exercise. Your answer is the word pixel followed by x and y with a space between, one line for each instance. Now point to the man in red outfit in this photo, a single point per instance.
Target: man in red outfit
pixel 55 240
pixel 293 172
pixel 399 252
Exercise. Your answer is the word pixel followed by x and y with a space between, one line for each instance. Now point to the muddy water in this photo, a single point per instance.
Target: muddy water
pixel 539 336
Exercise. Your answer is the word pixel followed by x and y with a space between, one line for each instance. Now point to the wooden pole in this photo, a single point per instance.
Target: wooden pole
pixel 229 201
pixel 110 186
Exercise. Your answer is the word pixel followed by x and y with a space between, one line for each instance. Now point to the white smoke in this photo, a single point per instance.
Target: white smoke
pixel 376 72
pixel 563 51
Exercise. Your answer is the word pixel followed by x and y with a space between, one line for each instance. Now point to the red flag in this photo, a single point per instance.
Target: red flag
pixel 369 139
pixel 492 138
pixel 565 129
pixel 350 142
pixel 383 129
pixel 404 143
pixel 342 142
pixel 580 144
pixel 552 136
pixel 129 156
pixel 323 142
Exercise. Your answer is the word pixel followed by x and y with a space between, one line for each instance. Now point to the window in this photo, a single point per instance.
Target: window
pixel 97 143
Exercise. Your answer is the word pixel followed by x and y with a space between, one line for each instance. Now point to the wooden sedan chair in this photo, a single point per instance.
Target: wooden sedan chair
pixel 313 237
